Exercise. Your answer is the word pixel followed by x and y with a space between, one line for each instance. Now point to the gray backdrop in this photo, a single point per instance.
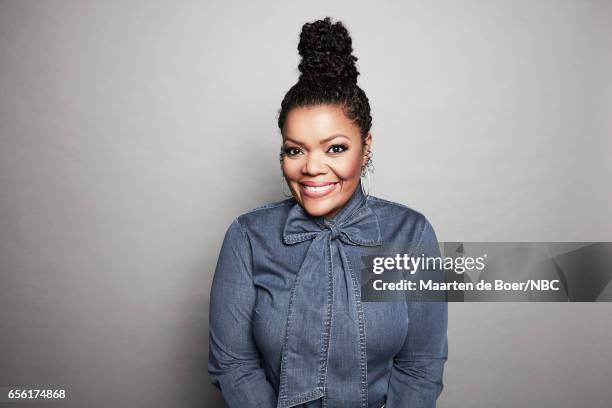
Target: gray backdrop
pixel 132 133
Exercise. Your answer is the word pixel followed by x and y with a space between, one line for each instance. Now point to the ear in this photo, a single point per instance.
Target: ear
pixel 367 146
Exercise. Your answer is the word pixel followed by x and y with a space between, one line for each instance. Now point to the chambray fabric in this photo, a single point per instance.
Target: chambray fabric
pixel 288 327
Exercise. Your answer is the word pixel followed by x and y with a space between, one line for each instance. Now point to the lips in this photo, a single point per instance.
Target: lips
pixel 317 189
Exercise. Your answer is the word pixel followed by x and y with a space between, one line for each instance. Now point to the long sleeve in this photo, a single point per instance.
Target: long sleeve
pixel 234 362
pixel 416 377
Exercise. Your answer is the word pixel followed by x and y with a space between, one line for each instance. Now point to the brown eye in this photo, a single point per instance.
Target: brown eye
pixel 291 151
pixel 337 148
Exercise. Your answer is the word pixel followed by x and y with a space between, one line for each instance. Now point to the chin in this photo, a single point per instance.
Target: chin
pixel 319 207
pixel 318 210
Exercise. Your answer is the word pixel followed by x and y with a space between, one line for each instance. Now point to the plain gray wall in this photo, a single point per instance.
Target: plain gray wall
pixel 132 133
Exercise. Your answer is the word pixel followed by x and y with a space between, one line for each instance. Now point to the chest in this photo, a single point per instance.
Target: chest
pixel 385 323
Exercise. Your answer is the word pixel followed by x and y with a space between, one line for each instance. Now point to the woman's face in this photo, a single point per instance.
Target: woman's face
pixel 323 156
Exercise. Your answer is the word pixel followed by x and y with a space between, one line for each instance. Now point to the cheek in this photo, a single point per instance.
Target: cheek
pixel 348 167
pixel 291 169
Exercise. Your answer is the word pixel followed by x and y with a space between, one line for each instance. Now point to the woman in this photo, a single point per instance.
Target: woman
pixel 288 327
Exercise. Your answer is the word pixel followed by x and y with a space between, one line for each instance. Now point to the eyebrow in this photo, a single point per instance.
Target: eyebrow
pixel 321 142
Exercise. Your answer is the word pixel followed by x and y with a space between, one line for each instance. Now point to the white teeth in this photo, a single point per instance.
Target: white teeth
pixel 321 188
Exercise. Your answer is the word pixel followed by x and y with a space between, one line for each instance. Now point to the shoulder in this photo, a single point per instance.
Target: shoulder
pixel 389 210
pixel 265 217
pixel 258 223
pixel 399 219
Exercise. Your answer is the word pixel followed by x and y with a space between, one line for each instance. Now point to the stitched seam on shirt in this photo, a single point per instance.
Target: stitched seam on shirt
pixel 422 234
pixel 363 361
pixel 268 206
pixel 298 237
pixel 248 245
pixel 288 328
pixel 366 242
pixel 382 200
pixel 324 358
pixel 309 396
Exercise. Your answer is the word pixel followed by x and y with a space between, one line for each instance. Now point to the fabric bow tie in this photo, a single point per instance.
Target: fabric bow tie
pixel 314 299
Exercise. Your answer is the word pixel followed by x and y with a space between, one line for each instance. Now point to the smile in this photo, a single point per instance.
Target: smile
pixel 316 190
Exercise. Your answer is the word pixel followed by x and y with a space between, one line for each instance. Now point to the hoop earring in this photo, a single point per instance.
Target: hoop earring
pixel 283 185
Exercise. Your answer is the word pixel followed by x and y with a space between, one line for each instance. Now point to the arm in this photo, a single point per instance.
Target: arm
pixel 416 376
pixel 234 361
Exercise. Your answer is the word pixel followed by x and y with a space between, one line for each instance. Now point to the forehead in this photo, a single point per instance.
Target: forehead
pixel 319 122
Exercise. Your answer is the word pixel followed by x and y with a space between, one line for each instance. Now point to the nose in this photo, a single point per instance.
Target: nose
pixel 314 165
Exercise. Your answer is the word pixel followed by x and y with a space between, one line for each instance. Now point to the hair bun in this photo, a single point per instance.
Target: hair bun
pixel 326 50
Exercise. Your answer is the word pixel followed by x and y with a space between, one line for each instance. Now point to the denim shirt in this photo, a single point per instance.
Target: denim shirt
pixel 288 327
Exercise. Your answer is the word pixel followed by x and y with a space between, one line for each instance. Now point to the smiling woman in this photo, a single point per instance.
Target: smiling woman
pixel 288 327
pixel 323 157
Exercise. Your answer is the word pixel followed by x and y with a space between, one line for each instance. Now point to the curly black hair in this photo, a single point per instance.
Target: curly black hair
pixel 328 74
